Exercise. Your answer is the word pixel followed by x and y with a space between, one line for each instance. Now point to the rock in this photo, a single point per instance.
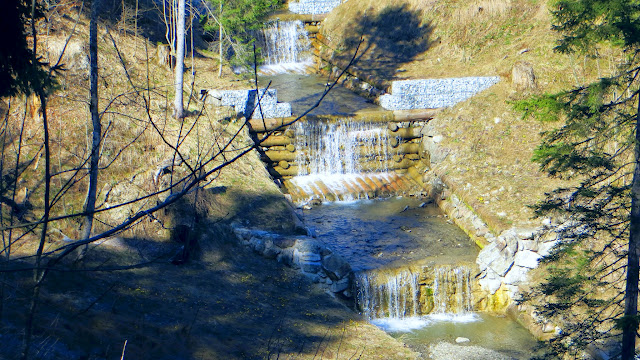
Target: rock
pixel 271 251
pixel 527 259
pixel 491 282
pixel 286 257
pixel 517 275
pixel 510 237
pixel 488 255
pixel 461 340
pixel 481 232
pixel 312 267
pixel 301 257
pixel 257 244
pixel 527 245
pixel 501 265
pixel 283 242
pixel 525 233
pixel 335 267
pixel 548 328
pixel 308 245
pixel 478 223
pixel 340 285
pixel 546 247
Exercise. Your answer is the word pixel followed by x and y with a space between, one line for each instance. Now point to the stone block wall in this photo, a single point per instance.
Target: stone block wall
pixel 313 6
pixel 433 93
pixel 246 101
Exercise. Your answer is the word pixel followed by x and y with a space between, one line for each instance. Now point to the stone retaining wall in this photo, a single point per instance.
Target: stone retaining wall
pixel 505 260
pixel 433 93
pixel 313 6
pixel 305 253
pixel 245 102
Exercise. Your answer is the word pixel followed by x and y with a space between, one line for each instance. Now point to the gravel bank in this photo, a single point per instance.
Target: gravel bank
pixel 448 351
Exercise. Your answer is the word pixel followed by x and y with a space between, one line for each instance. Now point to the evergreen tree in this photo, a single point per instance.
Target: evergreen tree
pixel 234 23
pixel 20 71
pixel 592 287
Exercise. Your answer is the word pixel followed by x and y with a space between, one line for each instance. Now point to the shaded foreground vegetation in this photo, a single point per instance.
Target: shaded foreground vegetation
pixel 167 192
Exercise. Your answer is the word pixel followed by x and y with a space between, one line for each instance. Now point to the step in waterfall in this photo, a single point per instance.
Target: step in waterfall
pixel 406 293
pixel 344 160
pixel 286 48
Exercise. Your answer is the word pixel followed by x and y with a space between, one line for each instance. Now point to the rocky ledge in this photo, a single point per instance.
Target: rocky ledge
pixel 305 253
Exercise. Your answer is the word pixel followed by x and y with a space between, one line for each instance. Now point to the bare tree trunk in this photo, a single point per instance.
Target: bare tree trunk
pixel 630 323
pixel 220 41
pixel 38 273
pixel 179 69
pixel 90 200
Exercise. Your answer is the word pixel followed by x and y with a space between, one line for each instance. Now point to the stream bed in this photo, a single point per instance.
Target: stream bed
pixel 402 231
pixel 391 232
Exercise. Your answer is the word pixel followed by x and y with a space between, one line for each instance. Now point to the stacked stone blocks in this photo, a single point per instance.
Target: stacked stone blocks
pixel 433 93
pixel 245 102
pixel 313 7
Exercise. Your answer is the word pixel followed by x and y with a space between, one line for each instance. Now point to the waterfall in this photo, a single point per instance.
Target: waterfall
pixel 405 293
pixel 286 47
pixel 341 147
pixel 452 290
pixel 343 160
pixel 379 294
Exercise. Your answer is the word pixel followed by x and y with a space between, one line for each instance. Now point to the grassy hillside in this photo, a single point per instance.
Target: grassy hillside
pixel 226 302
pixel 484 147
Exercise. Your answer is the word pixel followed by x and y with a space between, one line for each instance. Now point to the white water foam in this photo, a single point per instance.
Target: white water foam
pixel 286 68
pixel 338 185
pixel 408 324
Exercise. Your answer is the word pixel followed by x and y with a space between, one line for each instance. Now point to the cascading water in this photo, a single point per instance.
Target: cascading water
pixel 387 295
pixel 405 293
pixel 343 159
pixel 452 290
pixel 341 147
pixel 286 48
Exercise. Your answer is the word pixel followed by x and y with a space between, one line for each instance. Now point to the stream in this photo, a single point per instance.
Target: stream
pixel 397 232
pixel 414 270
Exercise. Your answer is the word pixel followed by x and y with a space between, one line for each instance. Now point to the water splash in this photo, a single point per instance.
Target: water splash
pixel 286 48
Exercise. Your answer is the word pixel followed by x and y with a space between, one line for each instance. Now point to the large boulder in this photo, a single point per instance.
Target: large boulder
pixel 335 267
pixel 527 259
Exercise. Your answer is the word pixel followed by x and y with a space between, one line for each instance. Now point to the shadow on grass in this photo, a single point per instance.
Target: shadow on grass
pixel 224 303
pixel 391 38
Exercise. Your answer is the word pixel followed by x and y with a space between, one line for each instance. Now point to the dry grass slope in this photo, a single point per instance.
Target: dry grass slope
pixel 486 146
pixel 227 303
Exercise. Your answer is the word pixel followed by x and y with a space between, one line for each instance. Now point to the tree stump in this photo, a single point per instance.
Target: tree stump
pixel 164 56
pixel 522 77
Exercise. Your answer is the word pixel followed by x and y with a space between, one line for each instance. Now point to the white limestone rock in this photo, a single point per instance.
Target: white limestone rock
pixel 527 259
pixel 527 245
pixel 501 265
pixel 517 275
pixel 526 233
pixel 487 255
pixel 545 248
pixel 490 284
